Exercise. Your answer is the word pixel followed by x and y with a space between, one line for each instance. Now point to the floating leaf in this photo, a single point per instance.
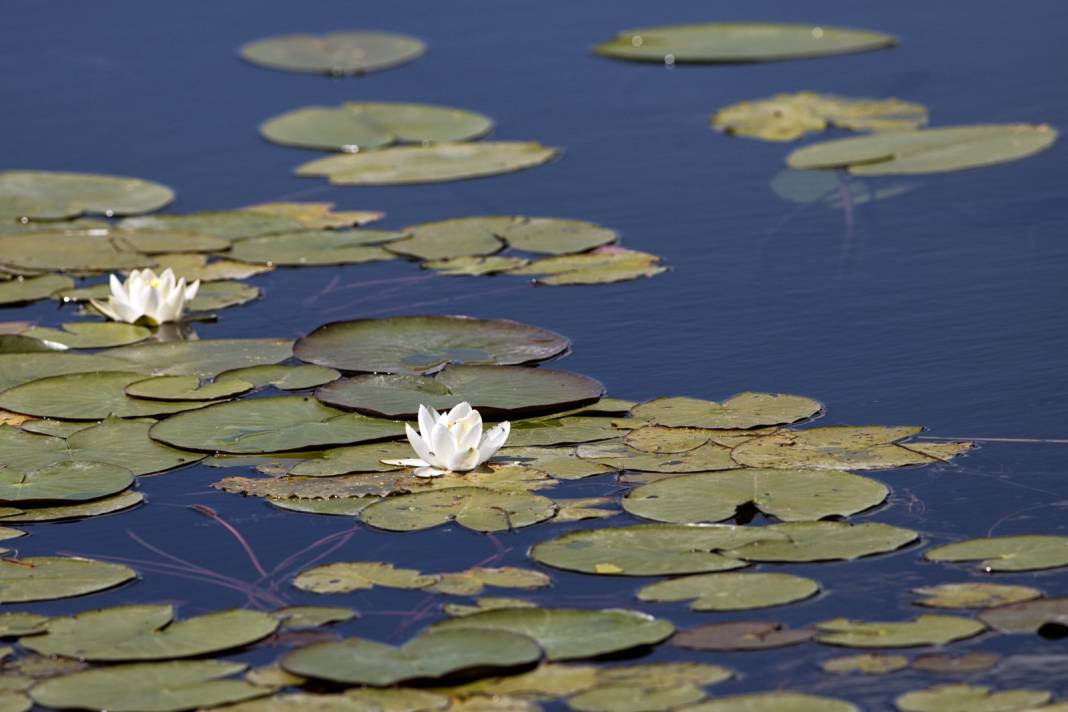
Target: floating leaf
pixel 197 267
pixel 433 654
pixel 974 595
pixel 458 237
pixel 563 463
pixel 51 195
pixel 743 411
pixel 269 425
pixel 618 455
pixel 789 495
pixel 867 663
pixel 347 507
pixel 788 117
pixel 471 507
pixel 19 344
pixel 302 617
pixel 485 603
pixel 184 388
pixel 143 632
pixel 732 591
pixel 354 458
pixel 148 687
pixel 950 148
pixel 225 224
pixel 429 164
pixel 1007 553
pixel 547 681
pixel 204 358
pixel 495 391
pixel 1042 616
pixel 835 447
pixel 569 634
pixel 824 541
pixel 91 335
pixel 555 236
pixel 62 482
pixel 70 251
pixel 348 576
pixel 601 266
pixel 423 344
pixel 941 663
pixel 659 439
pixel 359 126
pixel 16 369
pixel 213 296
pixel 30 289
pixel 774 702
pixel 577 509
pixel 316 216
pixel 47 578
pixel 154 242
pixel 924 630
pixel 970 698
pixel 285 378
pixel 106 505
pixel 473 580
pixel 625 698
pixel 335 53
pixel 19 624
pixel 316 247
pixel 558 431
pixel 472 266
pixel 741 635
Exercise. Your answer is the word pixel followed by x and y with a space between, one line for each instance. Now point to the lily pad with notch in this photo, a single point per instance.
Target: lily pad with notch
pixel 317 216
pixel 741 635
pixel 824 541
pixel 924 630
pixel 91 334
pixel 284 378
pixel 61 483
pixel 80 251
pixel 1007 553
pixel 335 53
pixel 316 247
pixel 617 454
pixel 47 578
pixel 52 195
pixel 30 289
pixel 451 239
pixel 1046 616
pixel 970 698
pixel 732 591
pixel 204 358
pixel 743 411
pixel 603 265
pixel 475 508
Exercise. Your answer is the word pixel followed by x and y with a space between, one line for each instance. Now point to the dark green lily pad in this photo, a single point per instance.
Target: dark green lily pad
pixel 937 150
pixel 433 654
pixel 474 266
pixel 270 425
pixel 741 635
pixel 334 53
pixel 87 396
pixel 148 687
pixel 559 462
pixel 52 195
pixel 495 391
pixel 429 164
pixel 154 242
pixel 732 591
pixel 555 236
pixel 62 482
pixel 360 126
pixel 204 358
pixel 943 663
pixel 924 630
pixel 789 495
pixel 47 578
pixel 774 702
pixel 186 388
pixel 16 369
pixel 970 698
pixel 306 617
pixel 284 378
pixel 825 541
pixel 570 634
pixel 476 508
pixel 316 247
pixel 19 624
pixel 1007 553
pixel 732 42
pixel 423 344
pixel 19 344
pixel 91 334
pixel 96 507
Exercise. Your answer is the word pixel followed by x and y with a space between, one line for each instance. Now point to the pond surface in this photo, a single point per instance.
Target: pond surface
pixel 942 307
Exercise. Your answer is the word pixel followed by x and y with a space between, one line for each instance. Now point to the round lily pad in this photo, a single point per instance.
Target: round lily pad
pixel 353 458
pixel 974 595
pixel 360 126
pixel 732 591
pixel 603 265
pixel 185 388
pixel 61 482
pixel 624 698
pixel 450 239
pixel 93 508
pixel 790 495
pixel 824 541
pixel 316 247
pixel 565 430
pixel 433 654
pixel 270 425
pixel 942 663
pixel 559 462
pixel 316 216
pixel 429 164
pixel 284 378
pixel 1045 616
pixel 154 242
pixel 16 369
pixel 227 225
pixel 1007 553
pixel 924 630
pixel 743 411
pixel 476 508
pixel 774 702
pixel 618 454
pixel 423 344
pixel 570 634
pixel 867 663
pixel 204 358
pixel 937 150
pixel 47 578
pixel 51 195
pixel 970 698
pixel 840 447
pixel 741 635
pixel 335 53
pixel 306 617
pixel 70 251
pixel 349 576
pixel 495 391
pixel 91 334
pixel 30 289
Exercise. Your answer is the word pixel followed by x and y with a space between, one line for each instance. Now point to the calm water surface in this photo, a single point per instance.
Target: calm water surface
pixel 942 307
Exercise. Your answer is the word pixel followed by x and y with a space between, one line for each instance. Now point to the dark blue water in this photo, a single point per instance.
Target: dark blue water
pixel 943 307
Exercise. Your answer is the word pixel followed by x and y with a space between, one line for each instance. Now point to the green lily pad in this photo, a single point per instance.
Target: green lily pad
pixel 790 495
pixel 732 42
pixel 570 634
pixel 91 335
pixel 19 344
pixel 301 701
pixel 198 267
pixel 51 195
pixel 284 378
pixel 949 148
pixel 560 462
pixel 227 225
pixel 774 702
pixel 495 391
pixel 30 289
pixel 360 126
pixel 16 369
pixel 47 578
pixel 87 396
pixel 423 344
pixel 1038 616
pixel 625 698
pixel 743 411
pixel 650 549
pixel 19 624
pixel 449 239
pixel 615 453
pixel 316 247
pixel 970 698
pixel 353 458
pixel 924 630
pixel 867 663
pixel 334 53
pixel 275 424
pixel 732 591
pixel 62 482
pixel 942 663
pixel 345 507
pixel 148 687
pixel 473 266
pixel 305 617
pixel 476 508
pixel 154 242
pixel 349 576
pixel 603 265
pixel 429 164
pixel 566 430
pixel 213 296
pixel 837 447
pixel 555 236
pixel 1007 553
pixel 472 581
pixel 144 632
pixel 56 428
pixel 741 635
pixel 96 507
pixel 484 603
pixel 316 216
pixel 185 388
pixel 659 439
pixel 974 595
pixel 825 541
pixel 204 358
pixel 69 251
pixel 433 654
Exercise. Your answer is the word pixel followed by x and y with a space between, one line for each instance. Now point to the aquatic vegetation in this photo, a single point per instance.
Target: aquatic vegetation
pixel 452 441
pixel 147 297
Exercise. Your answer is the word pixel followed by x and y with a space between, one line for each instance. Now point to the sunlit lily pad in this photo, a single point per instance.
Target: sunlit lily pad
pixel 317 216
pixel 603 265
pixel 149 632
pixel 335 53
pixel 348 576
pixel 71 251
pixel 790 495
pixel 731 42
pixel 924 630
pixel 732 591
pixel 974 595
pixel 458 237
pixel 547 681
pixel 559 431
pixel 625 698
pixel 154 242
pixel 344 507
pixel 970 698
pixel 285 378
pixel 743 411
pixel 148 687
pixel 950 148
pixel 617 454
pixel 16 369
pixel 29 289
pixel 204 358
pixel 270 425
pixel 943 663
pixel 423 344
pixel 359 126
pixel 472 581
pixel 61 483
pixel 496 391
pixel 867 663
pixel 213 296
pixel 46 578
pixel 87 396
pixel 429 164
pixel 316 247
pixel 228 225
pixel 353 458
pixel 476 508
pixel 186 388
pixel 774 702
pixel 51 195
pixel 91 335
pixel 741 635
pixel 569 634
pixel 484 603
pixel 19 344
pixel 825 541
pixel 1007 553
pixel 833 189
pixel 1045 616
pixel 475 266
pixel 561 462
pixel 305 617
pixel 96 507
pixel 18 624
pixel 433 654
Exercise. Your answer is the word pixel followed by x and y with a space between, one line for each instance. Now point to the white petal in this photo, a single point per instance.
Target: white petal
pixel 459 411
pixel 407 462
pixel 426 422
pixel 191 291
pixel 493 441
pixel 105 309
pixel 429 472
pixel 464 460
pixel 469 431
pixel 418 444
pixel 441 444
pixel 118 290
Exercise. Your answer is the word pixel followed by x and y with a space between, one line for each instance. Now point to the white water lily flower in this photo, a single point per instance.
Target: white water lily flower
pixel 451 442
pixel 147 297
